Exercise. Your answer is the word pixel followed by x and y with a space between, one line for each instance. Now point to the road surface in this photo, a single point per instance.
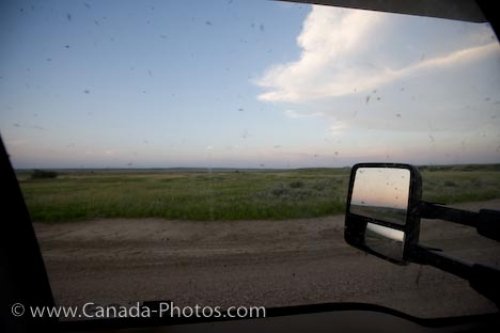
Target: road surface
pixel 262 263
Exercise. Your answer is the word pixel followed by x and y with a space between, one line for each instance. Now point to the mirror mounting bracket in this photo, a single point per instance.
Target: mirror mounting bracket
pixel 486 221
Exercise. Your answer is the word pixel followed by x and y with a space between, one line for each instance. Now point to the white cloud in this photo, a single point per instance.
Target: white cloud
pixel 352 51
pixel 338 127
pixel 294 114
pixel 394 87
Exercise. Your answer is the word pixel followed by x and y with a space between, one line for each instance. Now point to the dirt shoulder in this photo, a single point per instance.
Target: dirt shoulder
pixel 271 263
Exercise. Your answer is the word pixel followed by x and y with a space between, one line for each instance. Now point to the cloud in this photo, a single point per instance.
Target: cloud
pixel 295 115
pixel 346 51
pixel 392 87
pixel 338 127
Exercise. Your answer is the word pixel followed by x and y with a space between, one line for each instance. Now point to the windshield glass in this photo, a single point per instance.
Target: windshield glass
pixel 199 151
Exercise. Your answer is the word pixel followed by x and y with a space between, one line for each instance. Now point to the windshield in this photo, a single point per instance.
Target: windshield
pixel 199 151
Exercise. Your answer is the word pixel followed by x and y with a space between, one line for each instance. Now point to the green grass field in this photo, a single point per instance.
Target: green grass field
pixel 227 195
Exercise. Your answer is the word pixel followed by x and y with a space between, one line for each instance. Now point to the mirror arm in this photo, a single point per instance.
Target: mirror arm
pixel 485 281
pixel 489 224
pixel 422 255
pixel 481 278
pixel 434 211
pixel 486 222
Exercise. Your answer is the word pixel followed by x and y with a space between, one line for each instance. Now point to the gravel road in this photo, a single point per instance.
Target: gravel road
pixel 269 263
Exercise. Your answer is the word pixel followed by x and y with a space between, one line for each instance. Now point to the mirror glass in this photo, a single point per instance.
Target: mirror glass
pixel 384 240
pixel 381 194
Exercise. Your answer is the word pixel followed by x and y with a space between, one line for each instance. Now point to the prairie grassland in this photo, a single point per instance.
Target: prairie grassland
pixel 460 183
pixel 227 195
pixel 187 196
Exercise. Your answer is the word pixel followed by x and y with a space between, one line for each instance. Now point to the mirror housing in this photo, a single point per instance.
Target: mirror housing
pixel 382 212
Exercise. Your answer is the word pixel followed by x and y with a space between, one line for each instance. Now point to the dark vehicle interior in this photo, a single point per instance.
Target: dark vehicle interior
pixel 389 232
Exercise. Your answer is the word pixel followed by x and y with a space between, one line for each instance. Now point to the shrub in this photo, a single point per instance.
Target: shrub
pixel 280 191
pixel 43 174
pixel 450 183
pixel 296 184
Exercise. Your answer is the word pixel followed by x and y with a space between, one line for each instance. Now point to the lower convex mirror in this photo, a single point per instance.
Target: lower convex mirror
pixel 385 240
pixel 381 215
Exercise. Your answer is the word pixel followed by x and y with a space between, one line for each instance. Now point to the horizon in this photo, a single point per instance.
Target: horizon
pixel 242 85
pixel 221 168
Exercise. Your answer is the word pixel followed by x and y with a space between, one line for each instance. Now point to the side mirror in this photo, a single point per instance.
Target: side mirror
pixel 382 210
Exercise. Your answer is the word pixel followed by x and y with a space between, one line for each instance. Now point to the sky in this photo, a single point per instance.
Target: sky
pixel 242 84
